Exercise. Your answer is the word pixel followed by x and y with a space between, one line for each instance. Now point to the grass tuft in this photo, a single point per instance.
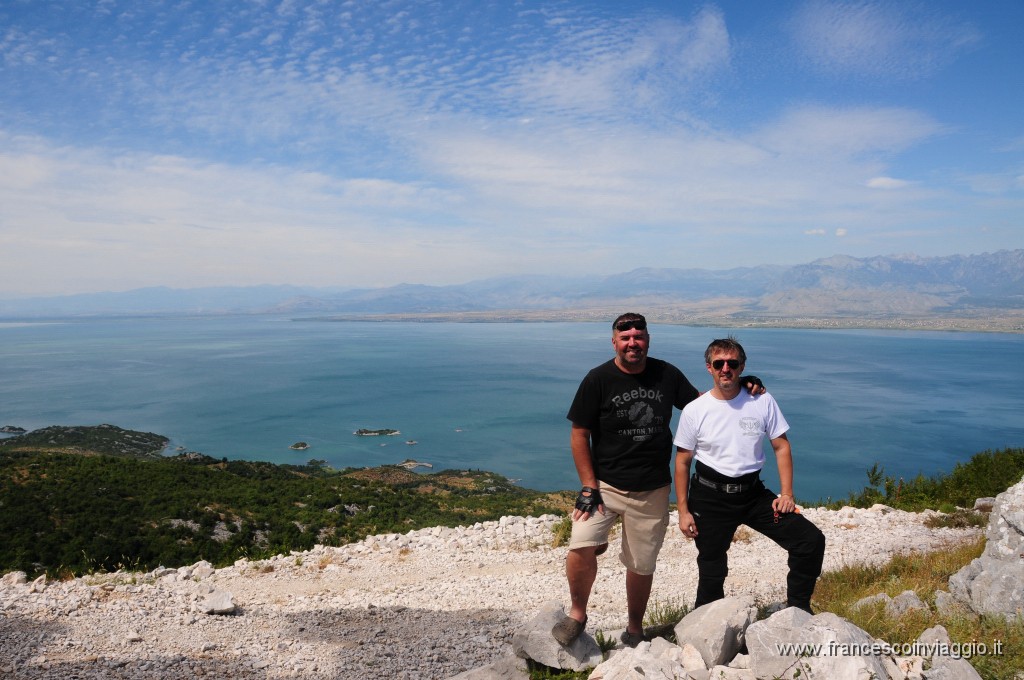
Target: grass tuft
pixel 561 532
pixel 958 518
pixel 539 671
pixel 605 644
pixel 667 613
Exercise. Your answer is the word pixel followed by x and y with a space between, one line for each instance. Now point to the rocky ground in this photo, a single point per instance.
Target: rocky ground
pixel 428 604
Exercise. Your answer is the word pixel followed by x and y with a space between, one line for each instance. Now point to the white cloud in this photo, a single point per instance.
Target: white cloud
pixel 996 183
pixel 815 129
pixel 616 69
pixel 535 196
pixel 89 220
pixel 886 183
pixel 898 41
pixel 840 232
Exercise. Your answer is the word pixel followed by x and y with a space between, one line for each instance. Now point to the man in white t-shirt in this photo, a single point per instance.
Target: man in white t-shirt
pixel 724 430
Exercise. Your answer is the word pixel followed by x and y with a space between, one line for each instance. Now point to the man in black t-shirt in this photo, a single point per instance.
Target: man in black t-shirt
pixel 622 448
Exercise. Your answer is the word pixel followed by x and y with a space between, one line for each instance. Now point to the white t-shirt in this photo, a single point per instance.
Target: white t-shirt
pixel 727 435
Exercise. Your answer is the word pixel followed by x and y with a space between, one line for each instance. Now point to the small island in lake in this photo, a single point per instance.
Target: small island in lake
pixel 12 429
pixel 388 432
pixel 299 446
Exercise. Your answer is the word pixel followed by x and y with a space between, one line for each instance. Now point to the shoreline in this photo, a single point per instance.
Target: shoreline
pixel 997 320
pixel 1008 323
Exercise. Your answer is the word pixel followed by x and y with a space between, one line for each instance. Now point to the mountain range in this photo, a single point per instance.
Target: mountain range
pixel 838 287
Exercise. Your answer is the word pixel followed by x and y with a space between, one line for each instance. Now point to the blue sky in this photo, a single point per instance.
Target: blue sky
pixel 357 144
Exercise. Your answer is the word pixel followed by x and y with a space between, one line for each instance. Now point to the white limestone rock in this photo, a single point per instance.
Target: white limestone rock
pixel 767 641
pixel 717 629
pixel 218 602
pixel 991 584
pixel 655 660
pixel 534 641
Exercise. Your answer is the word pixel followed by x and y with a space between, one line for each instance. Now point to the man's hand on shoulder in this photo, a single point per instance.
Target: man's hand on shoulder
pixel 753 384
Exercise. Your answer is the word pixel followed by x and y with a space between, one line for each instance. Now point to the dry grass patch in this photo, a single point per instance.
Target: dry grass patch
pixel 459 482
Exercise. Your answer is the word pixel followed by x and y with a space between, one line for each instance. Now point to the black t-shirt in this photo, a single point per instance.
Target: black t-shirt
pixel 630 421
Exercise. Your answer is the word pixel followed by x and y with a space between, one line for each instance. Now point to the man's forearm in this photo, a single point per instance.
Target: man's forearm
pixel 582 456
pixel 785 478
pixel 784 462
pixel 682 478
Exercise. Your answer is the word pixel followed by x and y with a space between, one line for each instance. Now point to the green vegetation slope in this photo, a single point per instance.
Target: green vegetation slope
pixel 81 499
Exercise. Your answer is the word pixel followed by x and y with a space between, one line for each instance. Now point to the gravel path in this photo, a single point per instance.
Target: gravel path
pixel 428 604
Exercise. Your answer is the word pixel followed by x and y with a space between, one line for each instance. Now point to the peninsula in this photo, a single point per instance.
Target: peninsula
pixel 410 464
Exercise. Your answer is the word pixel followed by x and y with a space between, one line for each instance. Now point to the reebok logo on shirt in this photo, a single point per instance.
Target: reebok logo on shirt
pixel 639 393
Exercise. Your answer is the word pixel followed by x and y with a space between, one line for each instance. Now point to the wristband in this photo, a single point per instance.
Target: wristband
pixel 588 504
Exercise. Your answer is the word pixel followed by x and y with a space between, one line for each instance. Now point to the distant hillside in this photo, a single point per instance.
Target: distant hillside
pixel 838 287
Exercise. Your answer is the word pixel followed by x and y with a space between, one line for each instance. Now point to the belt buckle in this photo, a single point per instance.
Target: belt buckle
pixel 733 488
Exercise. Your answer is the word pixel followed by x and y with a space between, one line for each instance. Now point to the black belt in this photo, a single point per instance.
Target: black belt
pixel 725 488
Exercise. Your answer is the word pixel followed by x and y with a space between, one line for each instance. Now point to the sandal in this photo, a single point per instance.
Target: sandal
pixel 567 630
pixel 632 639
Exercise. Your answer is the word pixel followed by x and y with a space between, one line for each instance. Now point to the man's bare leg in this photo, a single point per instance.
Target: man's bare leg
pixel 638 592
pixel 581 572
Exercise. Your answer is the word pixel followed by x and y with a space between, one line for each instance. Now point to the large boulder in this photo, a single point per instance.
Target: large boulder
pixel 793 644
pixel 218 602
pixel 658 659
pixel 14 578
pixel 533 641
pixel 905 602
pixel 717 629
pixel 990 584
pixel 944 666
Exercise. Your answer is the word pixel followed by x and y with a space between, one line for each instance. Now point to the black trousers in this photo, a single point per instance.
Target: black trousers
pixel 718 514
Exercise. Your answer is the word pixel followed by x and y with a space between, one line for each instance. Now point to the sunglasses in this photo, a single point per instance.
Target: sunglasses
pixel 718 363
pixel 638 324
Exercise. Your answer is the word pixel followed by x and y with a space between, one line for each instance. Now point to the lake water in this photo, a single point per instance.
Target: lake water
pixel 494 396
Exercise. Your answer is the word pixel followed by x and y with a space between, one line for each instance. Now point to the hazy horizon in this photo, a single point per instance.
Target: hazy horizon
pixel 343 289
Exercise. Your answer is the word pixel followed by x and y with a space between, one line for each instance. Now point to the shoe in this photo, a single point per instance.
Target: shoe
pixel 632 639
pixel 567 630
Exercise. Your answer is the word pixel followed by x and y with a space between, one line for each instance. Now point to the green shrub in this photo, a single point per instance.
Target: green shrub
pixel 986 474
